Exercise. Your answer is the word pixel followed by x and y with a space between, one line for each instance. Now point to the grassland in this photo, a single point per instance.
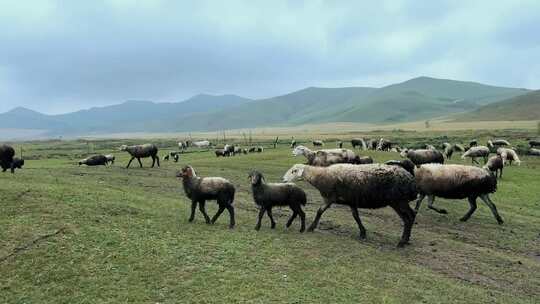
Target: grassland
pixel 113 235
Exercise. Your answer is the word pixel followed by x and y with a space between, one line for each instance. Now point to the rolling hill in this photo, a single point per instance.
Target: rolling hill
pixel 523 107
pixel 418 98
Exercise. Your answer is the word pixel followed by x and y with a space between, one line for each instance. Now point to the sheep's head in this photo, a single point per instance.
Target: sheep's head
pixel 299 150
pixel 123 147
pixel 404 152
pixel 255 177
pixel 186 172
pixel 295 173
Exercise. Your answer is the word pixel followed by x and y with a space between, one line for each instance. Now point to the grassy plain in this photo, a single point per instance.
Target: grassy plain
pixel 74 234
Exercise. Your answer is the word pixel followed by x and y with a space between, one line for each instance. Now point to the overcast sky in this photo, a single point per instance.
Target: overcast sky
pixel 60 56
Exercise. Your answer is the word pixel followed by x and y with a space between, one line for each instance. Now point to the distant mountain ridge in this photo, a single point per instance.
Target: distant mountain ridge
pixel 417 98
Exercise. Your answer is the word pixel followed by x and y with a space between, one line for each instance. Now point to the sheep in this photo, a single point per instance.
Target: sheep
pixel 268 195
pixel 384 145
pixel 176 157
pixel 495 164
pixel 423 156
pixel 358 142
pixel 95 160
pixel 318 143
pixel 362 160
pixel 508 156
pixel 182 145
pixel 17 163
pixel 448 150
pixel 325 157
pixel 367 186
pixel 534 143
pixel 200 189
pixel 110 159
pixel 237 150
pixel 340 144
pixel 258 149
pixel 534 152
pixel 499 142
pixel 372 144
pixel 229 150
pixel 202 144
pixel 473 143
pixel 476 151
pixel 166 157
pixel 220 152
pixel 6 158
pixel 406 164
pixel 141 151
pixel 245 151
pixel 456 182
pixel 293 143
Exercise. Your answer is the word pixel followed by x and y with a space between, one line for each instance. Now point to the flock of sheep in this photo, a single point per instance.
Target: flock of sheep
pixel 342 177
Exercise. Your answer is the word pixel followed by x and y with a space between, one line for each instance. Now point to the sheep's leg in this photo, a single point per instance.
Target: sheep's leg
pixel 500 172
pixel 302 219
pixel 354 211
pixel 230 208
pixel 431 200
pixel 193 207
pixel 153 161
pixel 318 216
pixel 139 160
pixel 406 214
pixel 419 202
pixel 203 211
pixel 472 203
pixel 272 222
pixel 493 208
pixel 129 163
pixel 157 159
pixel 291 219
pixel 259 219
pixel 218 213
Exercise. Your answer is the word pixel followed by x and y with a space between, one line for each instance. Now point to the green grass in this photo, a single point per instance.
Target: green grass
pixel 127 239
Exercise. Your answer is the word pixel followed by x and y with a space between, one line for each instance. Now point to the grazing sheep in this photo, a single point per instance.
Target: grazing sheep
pixel 6 158
pixel 96 160
pixel 534 152
pixel 201 189
pixel 534 143
pixel 293 143
pixel 476 151
pixel 229 150
pixel 384 145
pixel 495 164
pixel 220 152
pixel 166 157
pixel 366 186
pixel 423 156
pixel 110 159
pixel 508 156
pixel 202 144
pixel 176 157
pixel 18 163
pixel 318 143
pixel 141 151
pixel 362 160
pixel 259 149
pixel 269 195
pixel 473 143
pixel 358 142
pixel 340 144
pixel 237 150
pixel 456 182
pixel 406 164
pixel 499 142
pixel 325 157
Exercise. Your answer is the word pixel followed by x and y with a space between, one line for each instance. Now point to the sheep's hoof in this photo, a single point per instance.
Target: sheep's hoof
pixel 190 220
pixel 402 244
pixel 500 221
pixel 273 226
pixel 464 219
pixel 231 226
pixel 362 237
pixel 302 230
pixel 257 228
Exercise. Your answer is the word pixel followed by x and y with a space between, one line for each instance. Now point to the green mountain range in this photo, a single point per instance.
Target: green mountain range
pixel 418 98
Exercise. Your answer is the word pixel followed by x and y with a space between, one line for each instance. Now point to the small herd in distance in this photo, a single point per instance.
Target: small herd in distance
pixel 342 177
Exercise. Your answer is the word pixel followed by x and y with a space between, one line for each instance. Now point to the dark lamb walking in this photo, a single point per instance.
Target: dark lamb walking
pixel 201 189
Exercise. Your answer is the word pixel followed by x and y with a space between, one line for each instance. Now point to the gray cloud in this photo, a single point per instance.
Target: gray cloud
pixel 59 56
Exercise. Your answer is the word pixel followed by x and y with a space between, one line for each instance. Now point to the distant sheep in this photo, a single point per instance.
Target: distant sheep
pixel 6 158
pixel 268 195
pixel 473 143
pixel 325 157
pixel 340 144
pixel 406 164
pixel 258 149
pixel 220 152
pixel 141 151
pixel 534 152
pixel 358 142
pixel 366 186
pixel 456 182
pixel 95 160
pixel 202 144
pixel 318 143
pixel 534 143
pixel 508 156
pixel 384 145
pixel 475 152
pixel 495 164
pixel 201 189
pixel 423 156
pixel 293 143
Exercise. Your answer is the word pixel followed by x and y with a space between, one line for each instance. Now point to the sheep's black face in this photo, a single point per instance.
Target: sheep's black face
pixel 255 177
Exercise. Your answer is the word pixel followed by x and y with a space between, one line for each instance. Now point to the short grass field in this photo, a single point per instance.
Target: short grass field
pixel 71 234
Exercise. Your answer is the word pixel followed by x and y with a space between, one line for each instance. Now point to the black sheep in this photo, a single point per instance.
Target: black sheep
pixel 267 196
pixel 6 158
pixel 96 160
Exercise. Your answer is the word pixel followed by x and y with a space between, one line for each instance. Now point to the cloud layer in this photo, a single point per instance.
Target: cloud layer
pixel 58 56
